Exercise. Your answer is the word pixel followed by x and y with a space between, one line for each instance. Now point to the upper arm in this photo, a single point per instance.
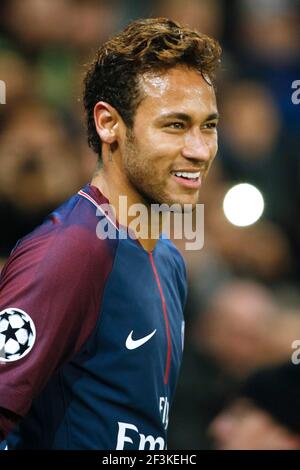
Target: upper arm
pixel 58 282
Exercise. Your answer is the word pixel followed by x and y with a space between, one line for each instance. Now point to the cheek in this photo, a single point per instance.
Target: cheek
pixel 158 142
pixel 155 152
pixel 159 155
pixel 212 144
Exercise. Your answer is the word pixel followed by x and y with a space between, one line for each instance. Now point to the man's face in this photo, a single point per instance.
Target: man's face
pixel 167 154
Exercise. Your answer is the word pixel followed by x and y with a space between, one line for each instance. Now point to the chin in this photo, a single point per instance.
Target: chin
pixel 187 202
pixel 174 199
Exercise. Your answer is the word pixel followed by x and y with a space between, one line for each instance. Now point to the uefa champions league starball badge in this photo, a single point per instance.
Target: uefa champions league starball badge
pixel 17 334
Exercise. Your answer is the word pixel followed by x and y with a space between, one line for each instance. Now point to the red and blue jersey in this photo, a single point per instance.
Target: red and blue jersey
pixel 91 334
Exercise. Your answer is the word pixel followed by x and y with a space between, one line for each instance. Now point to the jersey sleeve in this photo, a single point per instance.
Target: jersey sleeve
pixel 50 296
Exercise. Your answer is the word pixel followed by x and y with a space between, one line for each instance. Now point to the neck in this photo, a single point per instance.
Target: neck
pixel 122 196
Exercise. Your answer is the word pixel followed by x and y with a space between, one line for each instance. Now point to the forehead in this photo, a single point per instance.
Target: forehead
pixel 179 89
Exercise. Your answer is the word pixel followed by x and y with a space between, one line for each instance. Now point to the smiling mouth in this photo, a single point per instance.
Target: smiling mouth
pixel 189 175
pixel 188 179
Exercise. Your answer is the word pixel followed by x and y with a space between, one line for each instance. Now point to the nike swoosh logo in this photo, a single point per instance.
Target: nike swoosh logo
pixel 133 344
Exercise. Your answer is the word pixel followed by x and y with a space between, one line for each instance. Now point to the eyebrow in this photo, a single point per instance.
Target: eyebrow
pixel 186 117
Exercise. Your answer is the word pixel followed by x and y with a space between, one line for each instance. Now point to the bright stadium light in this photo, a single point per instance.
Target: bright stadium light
pixel 243 205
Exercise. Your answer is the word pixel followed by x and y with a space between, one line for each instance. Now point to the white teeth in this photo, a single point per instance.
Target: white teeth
pixel 189 175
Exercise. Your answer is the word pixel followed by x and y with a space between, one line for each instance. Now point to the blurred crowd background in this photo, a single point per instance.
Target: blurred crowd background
pixel 243 310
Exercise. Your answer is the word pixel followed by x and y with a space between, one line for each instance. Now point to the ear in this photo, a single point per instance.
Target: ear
pixel 107 121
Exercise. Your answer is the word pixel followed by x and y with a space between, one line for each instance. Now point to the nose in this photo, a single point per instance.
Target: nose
pixel 198 147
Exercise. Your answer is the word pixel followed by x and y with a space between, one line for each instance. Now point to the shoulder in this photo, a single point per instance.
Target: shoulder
pixel 66 243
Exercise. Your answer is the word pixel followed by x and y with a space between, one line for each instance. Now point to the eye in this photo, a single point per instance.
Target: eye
pixel 210 125
pixel 176 125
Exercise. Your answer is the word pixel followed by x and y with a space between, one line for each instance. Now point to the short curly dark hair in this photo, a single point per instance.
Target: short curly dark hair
pixel 153 44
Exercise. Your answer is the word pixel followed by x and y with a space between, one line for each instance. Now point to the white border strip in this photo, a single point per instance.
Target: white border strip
pixel 89 198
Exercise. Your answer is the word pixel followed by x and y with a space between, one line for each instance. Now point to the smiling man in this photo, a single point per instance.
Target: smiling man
pixel 91 328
